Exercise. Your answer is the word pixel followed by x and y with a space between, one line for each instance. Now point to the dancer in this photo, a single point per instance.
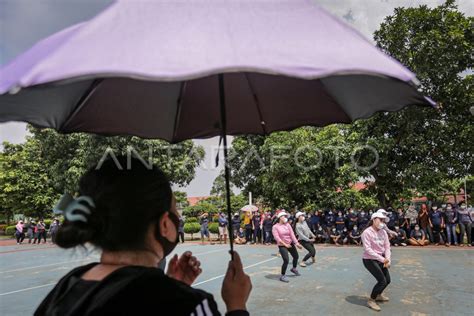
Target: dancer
pixel 286 241
pixel 305 237
pixel 376 257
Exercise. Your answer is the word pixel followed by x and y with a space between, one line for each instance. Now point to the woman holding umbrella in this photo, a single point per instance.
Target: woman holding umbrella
pixel 287 242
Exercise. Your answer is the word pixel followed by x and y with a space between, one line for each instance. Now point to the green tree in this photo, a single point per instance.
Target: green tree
pixel 420 148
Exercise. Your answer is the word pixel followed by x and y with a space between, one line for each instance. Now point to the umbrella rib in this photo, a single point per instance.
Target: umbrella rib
pixel 82 101
pixel 257 103
pixel 179 103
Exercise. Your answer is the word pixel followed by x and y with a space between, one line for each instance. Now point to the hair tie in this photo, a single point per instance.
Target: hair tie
pixel 72 208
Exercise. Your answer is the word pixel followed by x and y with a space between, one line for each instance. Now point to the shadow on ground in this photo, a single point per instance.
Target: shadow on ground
pixel 357 300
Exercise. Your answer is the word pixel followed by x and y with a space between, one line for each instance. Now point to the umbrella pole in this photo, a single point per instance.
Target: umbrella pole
pixel 226 166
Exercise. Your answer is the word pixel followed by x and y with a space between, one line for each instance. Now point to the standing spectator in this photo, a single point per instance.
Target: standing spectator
pixel 287 242
pixel 181 228
pixel 257 227
pixel 418 237
pixel 401 238
pixel 248 226
pixel 411 215
pixel 471 214
pixel 354 236
pixel 305 237
pixel 436 223
pixel 236 224
pixel 352 219
pixel 340 223
pixel 450 220
pixel 424 221
pixel 392 219
pixel 330 220
pixel 204 222
pixel 321 234
pixel 315 220
pixel 363 219
pixel 222 220
pixel 53 230
pixel 30 232
pixel 402 221
pixel 465 224
pixel 267 229
pixel 19 234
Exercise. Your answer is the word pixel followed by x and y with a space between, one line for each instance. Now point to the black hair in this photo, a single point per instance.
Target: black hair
pixel 127 198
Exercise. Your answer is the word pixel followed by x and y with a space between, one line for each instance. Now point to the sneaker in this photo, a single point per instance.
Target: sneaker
pixel 403 244
pixel 283 278
pixel 382 298
pixel 437 244
pixel 373 305
pixel 447 245
pixel 295 272
pixel 461 245
pixel 303 264
pixel 469 245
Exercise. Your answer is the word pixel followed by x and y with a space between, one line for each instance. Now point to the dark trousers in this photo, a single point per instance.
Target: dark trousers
pixel 248 233
pixel 19 237
pixel 436 234
pixel 268 236
pixel 310 247
pixel 284 255
pixel 465 228
pixel 38 237
pixel 380 273
pixel 181 236
pixel 257 235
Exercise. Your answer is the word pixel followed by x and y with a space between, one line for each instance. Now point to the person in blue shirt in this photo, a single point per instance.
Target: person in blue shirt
pixel 222 220
pixel 436 223
pixel 340 221
pixel 330 220
pixel 363 219
pixel 450 221
pixel 315 220
pixel 351 219
pixel 354 236
pixel 321 235
pixel 393 219
pixel 335 236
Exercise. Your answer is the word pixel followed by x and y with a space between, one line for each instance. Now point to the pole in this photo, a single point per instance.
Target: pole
pixel 465 191
pixel 250 198
pixel 226 166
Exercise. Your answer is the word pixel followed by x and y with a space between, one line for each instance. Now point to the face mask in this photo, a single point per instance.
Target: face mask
pixel 450 208
pixel 435 208
pixel 345 230
pixel 352 212
pixel 285 220
pixel 355 227
pixel 381 226
pixel 339 214
pixel 443 205
pixel 168 246
pixel 463 206
pixel 396 228
pixel 417 228
pixel 330 213
pixel 334 230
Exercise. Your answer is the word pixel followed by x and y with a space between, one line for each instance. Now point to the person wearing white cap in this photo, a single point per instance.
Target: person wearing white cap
pixel 286 241
pixel 305 237
pixel 377 257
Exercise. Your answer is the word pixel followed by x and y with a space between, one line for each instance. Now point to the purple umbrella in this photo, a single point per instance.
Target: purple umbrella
pixel 195 69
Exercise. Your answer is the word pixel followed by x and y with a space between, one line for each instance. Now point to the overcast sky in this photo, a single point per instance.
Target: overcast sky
pixel 23 22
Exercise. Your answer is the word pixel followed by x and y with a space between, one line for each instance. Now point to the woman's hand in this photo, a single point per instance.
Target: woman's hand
pixel 185 268
pixel 236 286
pixel 299 246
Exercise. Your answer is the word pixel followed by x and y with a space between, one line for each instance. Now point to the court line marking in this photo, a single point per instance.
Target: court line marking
pixel 247 267
pixel 45 265
pixel 27 289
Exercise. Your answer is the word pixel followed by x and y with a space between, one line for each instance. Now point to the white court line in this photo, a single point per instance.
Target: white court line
pixel 27 289
pixel 45 265
pixel 222 275
pixel 211 251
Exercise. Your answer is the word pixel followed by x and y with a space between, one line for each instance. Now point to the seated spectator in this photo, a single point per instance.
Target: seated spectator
pixel 335 237
pixel 344 236
pixel 400 239
pixel 418 237
pixel 321 235
pixel 127 280
pixel 240 237
pixel 354 236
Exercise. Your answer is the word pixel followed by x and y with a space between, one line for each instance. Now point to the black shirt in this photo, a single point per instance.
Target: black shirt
pixel 131 290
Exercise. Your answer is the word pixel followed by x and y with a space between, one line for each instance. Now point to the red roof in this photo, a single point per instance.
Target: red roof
pixel 193 200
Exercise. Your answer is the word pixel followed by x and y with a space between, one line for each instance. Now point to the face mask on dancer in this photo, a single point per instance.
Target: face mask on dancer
pixel 285 220
pixel 381 226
